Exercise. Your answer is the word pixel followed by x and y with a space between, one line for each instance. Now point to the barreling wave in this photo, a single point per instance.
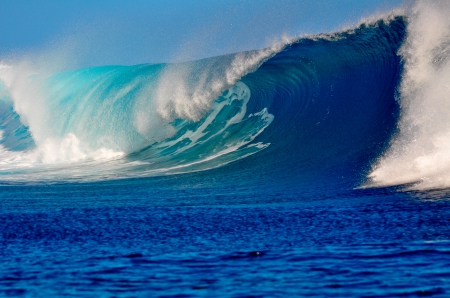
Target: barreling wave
pixel 319 107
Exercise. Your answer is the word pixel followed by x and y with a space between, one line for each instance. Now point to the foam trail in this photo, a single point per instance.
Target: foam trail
pixel 419 154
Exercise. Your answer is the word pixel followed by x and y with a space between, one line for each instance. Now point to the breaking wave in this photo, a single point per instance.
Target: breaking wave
pixel 366 107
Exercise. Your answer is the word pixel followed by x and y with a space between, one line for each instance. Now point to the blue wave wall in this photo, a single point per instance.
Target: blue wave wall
pixel 320 111
pixel 334 102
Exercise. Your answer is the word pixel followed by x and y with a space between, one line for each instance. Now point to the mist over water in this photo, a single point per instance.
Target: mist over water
pixel 419 152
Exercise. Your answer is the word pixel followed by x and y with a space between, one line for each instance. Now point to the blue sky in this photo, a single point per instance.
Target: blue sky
pixel 138 31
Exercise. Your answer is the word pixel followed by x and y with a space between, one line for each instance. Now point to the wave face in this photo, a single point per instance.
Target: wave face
pixel 316 108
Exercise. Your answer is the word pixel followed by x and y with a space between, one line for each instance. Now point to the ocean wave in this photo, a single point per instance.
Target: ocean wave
pixel 316 104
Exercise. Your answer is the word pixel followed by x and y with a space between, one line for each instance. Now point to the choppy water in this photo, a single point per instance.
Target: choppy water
pixel 362 244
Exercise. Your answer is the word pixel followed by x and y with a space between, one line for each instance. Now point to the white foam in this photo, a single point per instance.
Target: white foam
pixel 177 97
pixel 27 96
pixel 239 91
pixel 420 153
pixel 69 150
pixel 55 151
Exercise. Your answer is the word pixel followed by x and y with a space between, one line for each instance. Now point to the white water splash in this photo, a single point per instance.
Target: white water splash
pixel 420 153
pixel 20 85
pixel 187 92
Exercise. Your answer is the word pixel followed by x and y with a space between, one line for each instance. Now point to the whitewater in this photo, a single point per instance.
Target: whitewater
pixel 316 166
pixel 418 154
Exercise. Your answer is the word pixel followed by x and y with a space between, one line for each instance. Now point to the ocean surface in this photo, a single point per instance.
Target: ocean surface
pixel 319 167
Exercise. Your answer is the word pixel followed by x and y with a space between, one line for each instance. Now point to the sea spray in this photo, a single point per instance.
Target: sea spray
pixel 419 153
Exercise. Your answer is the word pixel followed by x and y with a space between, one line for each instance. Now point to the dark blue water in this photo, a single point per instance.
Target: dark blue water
pixel 263 197
pixel 129 239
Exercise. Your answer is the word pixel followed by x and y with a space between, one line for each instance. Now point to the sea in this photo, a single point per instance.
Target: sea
pixel 315 167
